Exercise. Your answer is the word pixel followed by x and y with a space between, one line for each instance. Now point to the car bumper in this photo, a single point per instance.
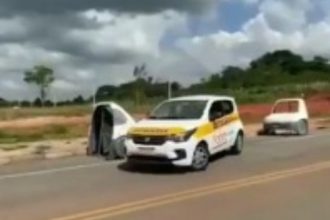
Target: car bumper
pixel 273 126
pixel 177 154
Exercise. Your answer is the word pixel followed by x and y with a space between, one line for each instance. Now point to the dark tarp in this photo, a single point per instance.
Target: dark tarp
pixel 102 132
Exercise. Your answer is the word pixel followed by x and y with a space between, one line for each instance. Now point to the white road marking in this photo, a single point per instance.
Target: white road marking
pixel 86 166
pixel 56 170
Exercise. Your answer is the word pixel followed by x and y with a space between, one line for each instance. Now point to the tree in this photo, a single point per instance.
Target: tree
pixel 140 72
pixel 105 92
pixel 41 76
pixel 37 102
pixel 78 100
pixel 26 103
pixel 49 103
pixel 3 102
pixel 321 60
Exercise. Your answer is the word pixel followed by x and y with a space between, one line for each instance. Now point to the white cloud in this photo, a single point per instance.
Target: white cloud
pixel 105 53
pixel 262 34
pixel 284 15
pixel 12 27
pixel 125 34
pixel 90 47
pixel 64 85
pixel 10 84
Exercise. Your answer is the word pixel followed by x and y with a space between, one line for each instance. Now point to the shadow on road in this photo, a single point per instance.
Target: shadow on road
pixel 219 156
pixel 282 134
pixel 161 169
pixel 157 169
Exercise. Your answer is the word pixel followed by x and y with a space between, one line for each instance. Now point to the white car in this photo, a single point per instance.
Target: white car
pixel 109 126
pixel 287 115
pixel 186 131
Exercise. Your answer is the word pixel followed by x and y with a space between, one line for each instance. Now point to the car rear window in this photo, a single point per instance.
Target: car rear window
pixel 286 107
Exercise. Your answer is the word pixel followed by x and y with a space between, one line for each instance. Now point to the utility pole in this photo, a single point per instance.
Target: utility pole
pixel 169 89
pixel 54 100
pixel 94 96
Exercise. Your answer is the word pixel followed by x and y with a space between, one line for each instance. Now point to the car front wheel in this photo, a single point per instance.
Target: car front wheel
pixel 302 128
pixel 201 157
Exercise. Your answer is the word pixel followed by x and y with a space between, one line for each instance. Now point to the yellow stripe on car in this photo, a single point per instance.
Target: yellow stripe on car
pixel 210 127
pixel 201 132
pixel 157 131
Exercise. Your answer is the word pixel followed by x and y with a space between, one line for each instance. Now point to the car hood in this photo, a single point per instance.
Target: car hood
pixel 163 127
pixel 282 118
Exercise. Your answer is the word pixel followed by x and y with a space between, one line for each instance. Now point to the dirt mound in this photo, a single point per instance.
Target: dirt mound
pixel 323 97
pixel 254 112
pixel 318 106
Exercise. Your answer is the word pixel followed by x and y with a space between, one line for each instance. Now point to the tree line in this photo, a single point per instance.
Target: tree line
pixel 278 68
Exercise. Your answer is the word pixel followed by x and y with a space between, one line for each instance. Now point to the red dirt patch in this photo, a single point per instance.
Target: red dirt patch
pixel 318 106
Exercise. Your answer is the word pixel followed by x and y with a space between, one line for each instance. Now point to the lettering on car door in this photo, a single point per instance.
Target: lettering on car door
pixel 220 116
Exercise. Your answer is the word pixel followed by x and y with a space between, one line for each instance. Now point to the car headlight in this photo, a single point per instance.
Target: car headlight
pixel 182 137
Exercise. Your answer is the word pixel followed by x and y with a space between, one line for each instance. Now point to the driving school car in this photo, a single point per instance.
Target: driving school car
pixel 186 131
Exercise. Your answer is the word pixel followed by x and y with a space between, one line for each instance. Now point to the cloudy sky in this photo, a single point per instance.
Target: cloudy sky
pixel 90 43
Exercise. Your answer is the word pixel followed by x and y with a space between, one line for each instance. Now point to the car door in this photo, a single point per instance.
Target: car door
pixel 123 121
pixel 219 115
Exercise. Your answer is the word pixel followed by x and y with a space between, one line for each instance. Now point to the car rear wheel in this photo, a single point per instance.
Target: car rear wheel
pixel 302 128
pixel 201 158
pixel 237 148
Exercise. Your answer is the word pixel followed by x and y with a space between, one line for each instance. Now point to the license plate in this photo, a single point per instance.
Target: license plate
pixel 147 149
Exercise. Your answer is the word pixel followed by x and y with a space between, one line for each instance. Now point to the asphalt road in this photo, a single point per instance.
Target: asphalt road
pixel 275 178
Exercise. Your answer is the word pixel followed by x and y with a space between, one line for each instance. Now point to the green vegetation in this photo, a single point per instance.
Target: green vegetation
pixel 273 75
pixel 43 77
pixel 46 132
pixel 13 147
pixel 30 112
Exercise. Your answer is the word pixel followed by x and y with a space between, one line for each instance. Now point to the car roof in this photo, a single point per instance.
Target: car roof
pixel 202 97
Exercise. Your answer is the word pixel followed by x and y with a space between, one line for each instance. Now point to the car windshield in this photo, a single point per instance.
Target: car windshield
pixel 286 107
pixel 179 110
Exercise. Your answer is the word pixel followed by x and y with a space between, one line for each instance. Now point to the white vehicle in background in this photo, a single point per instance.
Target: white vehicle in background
pixel 186 131
pixel 287 115
pixel 109 126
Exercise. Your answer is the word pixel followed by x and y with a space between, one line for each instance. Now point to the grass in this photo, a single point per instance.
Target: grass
pixel 13 147
pixel 30 112
pixel 12 135
pixel 268 94
pixel 7 114
pixel 47 132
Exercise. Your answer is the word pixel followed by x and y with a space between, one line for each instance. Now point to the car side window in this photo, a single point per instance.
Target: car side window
pixel 220 109
pixel 216 111
pixel 227 107
pixel 118 117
